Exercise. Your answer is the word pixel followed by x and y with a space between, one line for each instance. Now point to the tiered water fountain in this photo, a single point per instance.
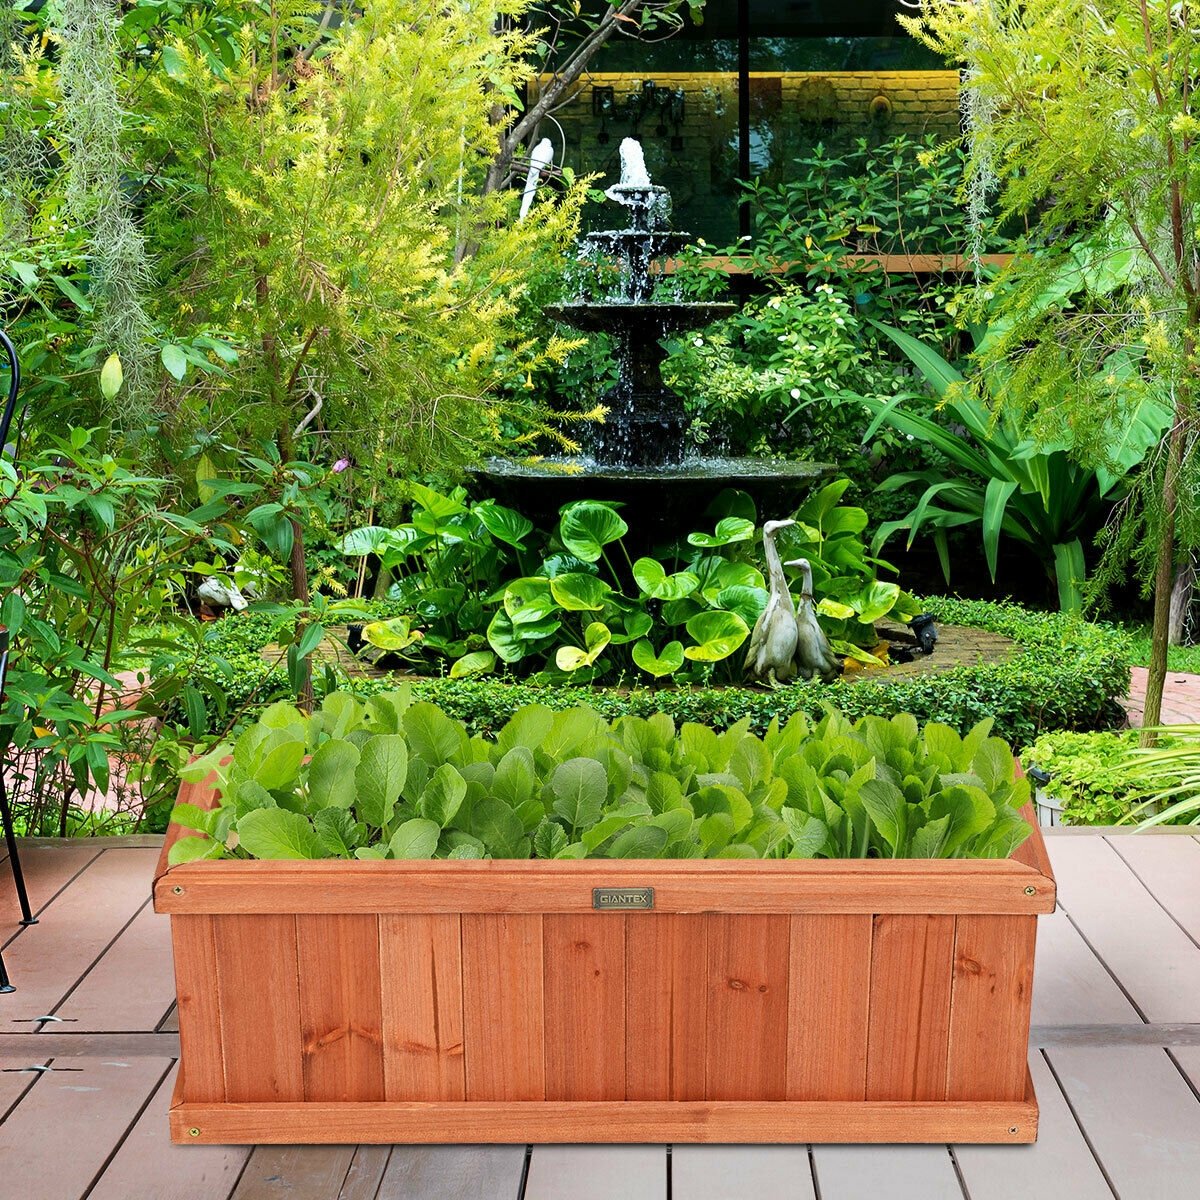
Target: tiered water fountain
pixel 639 453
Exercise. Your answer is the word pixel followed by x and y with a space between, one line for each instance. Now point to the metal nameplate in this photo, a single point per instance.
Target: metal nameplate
pixel 618 898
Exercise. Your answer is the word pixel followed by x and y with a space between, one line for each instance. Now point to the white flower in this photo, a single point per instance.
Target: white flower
pixel 909 436
pixel 795 393
pixel 698 341
pixel 838 321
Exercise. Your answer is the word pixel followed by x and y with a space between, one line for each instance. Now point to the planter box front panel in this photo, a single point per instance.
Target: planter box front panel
pixel 501 1007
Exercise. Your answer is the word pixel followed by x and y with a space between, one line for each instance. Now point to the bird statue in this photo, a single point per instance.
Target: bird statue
pixel 814 655
pixel 772 654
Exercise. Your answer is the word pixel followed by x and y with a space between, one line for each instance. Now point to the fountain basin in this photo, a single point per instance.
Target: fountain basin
pixel 662 502
pixel 657 318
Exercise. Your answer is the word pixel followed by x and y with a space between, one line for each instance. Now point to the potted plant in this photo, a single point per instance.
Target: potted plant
pixel 388 930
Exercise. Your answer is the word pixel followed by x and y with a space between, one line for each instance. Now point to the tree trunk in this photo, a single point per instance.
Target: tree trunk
pixel 1181 601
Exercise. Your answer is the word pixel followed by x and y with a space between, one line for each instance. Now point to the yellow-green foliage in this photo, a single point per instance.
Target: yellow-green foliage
pixel 324 208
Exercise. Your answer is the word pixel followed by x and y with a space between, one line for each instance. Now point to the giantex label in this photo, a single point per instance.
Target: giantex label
pixel 623 897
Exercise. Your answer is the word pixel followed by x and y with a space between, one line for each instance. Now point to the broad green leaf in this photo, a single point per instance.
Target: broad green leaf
pixel 579 787
pixel 331 774
pixel 433 736
pixel 571 658
pixel 747 602
pixel 394 634
pixel 478 662
pixel 277 833
pixel 443 795
pixel 337 832
pixel 417 838
pixel 279 760
pixel 659 665
pixel 191 849
pixel 652 578
pixel 175 361
pixel 379 777
pixel 516 777
pixel 588 526
pixel 497 826
pixel 549 839
pixel 111 377
pixel 717 635
pixel 886 806
pixel 577 592
pixel 642 841
pixel 728 531
pixel 503 523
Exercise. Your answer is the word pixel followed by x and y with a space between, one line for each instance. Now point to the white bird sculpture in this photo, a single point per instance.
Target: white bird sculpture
pixel 814 655
pixel 772 655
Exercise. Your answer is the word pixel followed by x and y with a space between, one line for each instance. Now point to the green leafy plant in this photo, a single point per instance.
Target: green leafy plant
pixel 392 779
pixel 1004 481
pixel 1167 777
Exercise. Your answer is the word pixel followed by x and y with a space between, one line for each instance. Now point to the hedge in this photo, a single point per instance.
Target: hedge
pixel 1065 673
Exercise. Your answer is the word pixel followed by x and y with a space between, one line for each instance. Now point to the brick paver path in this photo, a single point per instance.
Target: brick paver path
pixel 1181 698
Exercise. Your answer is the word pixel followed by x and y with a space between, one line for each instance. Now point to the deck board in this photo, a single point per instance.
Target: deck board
pixel 1118 1095
pixel 47 869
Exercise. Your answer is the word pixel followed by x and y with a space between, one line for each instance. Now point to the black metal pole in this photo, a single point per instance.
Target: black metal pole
pixel 743 68
pixel 6 819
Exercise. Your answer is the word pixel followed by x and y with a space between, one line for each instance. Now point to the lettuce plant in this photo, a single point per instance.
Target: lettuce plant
pixel 389 778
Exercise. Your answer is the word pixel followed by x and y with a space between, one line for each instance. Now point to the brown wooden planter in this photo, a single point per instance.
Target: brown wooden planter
pixel 777 1001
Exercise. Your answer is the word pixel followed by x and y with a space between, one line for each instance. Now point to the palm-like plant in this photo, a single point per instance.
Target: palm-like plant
pixel 1169 777
pixel 1003 480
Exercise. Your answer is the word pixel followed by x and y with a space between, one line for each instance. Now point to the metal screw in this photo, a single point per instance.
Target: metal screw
pixel 178 890
pixel 194 1132
pixel 1029 891
pixel 1011 1129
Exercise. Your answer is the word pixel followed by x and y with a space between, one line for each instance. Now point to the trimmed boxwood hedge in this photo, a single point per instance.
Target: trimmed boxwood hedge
pixel 1065 674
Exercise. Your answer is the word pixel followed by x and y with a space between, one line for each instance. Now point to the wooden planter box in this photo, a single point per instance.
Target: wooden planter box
pixel 778 1001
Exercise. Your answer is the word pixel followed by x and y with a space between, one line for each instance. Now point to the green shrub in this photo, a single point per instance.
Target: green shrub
pixel 389 778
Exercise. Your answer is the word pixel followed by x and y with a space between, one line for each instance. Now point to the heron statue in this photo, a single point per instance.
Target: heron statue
pixel 814 655
pixel 771 658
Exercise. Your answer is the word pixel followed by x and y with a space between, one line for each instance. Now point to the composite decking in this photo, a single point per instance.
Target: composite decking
pixel 88 1048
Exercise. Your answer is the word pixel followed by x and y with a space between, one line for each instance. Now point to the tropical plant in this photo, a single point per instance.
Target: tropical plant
pixel 1167 777
pixel 1004 480
pixel 392 779
pixel 581 606
pixel 1097 132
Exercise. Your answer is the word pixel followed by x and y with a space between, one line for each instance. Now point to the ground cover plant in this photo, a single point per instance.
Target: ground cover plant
pixel 389 778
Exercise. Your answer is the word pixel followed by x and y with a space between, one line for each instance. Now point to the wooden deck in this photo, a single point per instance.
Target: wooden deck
pixel 87 1062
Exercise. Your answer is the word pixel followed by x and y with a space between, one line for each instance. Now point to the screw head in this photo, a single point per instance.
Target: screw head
pixel 178 889
pixel 1011 1129
pixel 1029 891
pixel 194 1132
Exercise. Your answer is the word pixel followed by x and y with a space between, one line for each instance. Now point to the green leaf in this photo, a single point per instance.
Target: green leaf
pixel 497 826
pixel 379 777
pixel 652 578
pixel 886 806
pixel 173 62
pixel 596 637
pixel 277 833
pixel 577 592
pixel 642 841
pixel 549 839
pixel 658 665
pixel 717 635
pixel 337 832
pixel 394 634
pixel 478 662
pixel 579 788
pixel 190 849
pixel 331 774
pixel 111 377
pixel 432 736
pixel 503 523
pixel 278 764
pixel 516 777
pixel 1070 573
pixel 175 361
pixel 588 526
pixel 729 530
pixel 417 838
pixel 443 795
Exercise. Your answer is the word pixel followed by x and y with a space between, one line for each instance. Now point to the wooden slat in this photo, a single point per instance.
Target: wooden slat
pixel 1032 852
pixel 584 970
pixel 666 1006
pixel 894 1172
pixel 911 966
pixel 198 1012
pixel 1140 1116
pixel 170 1023
pixel 294 1173
pixel 1059 1167
pixel 746 1054
pixel 1168 867
pixel 420 960
pixel 503 1024
pixel 341 1027
pixel 259 1005
pixel 62 1132
pixel 47 869
pixel 104 998
pixel 453 1173
pixel 146 1164
pixel 989 1007
pixel 829 989
pixel 366 1173
pixel 47 959
pixel 538 886
pixel 597 1173
pixel 14 1080
pixel 1010 1122
pixel 1071 986
pixel 1158 964
pixel 755 1172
